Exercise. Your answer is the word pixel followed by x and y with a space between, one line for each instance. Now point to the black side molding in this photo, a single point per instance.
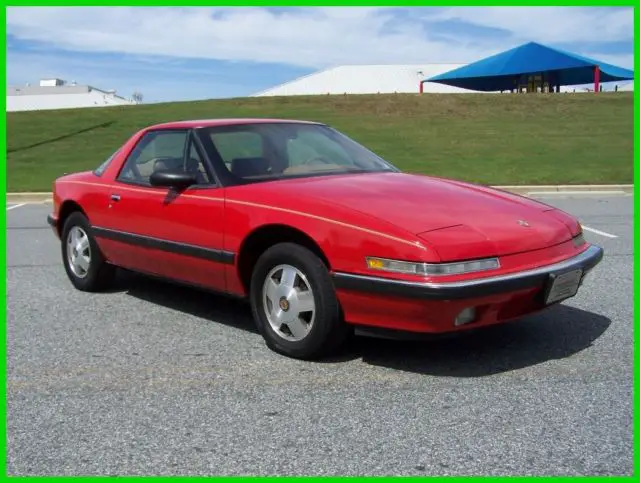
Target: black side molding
pixel 210 254
pixel 467 289
pixel 52 221
pixel 428 291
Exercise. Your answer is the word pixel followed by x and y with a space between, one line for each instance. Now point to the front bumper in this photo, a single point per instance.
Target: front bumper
pixel 434 308
pixel 472 288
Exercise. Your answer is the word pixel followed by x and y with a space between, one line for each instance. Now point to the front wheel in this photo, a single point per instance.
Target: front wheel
pixel 82 258
pixel 294 303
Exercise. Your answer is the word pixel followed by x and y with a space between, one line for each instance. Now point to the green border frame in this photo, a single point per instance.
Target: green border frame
pixel 292 3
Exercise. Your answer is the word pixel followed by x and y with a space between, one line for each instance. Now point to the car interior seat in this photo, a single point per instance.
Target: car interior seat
pixel 245 167
pixel 167 164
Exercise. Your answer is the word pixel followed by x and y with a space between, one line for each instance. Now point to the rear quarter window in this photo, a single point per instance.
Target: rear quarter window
pixel 105 164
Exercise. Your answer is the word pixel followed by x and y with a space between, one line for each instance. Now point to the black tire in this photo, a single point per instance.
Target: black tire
pixel 100 274
pixel 328 331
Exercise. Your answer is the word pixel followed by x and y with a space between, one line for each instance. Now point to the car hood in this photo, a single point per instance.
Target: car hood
pixel 459 220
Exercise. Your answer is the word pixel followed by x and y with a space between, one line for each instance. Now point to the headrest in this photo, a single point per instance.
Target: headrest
pixel 242 167
pixel 167 164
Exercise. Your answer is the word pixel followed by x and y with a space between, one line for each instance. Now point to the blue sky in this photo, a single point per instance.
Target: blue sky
pixel 196 53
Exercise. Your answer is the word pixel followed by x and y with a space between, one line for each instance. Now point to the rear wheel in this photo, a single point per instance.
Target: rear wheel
pixel 294 303
pixel 83 261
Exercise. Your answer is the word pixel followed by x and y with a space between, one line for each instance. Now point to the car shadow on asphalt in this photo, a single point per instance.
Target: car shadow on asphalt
pixel 215 308
pixel 559 332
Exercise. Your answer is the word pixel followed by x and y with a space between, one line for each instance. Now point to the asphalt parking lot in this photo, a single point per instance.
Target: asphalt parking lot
pixel 155 379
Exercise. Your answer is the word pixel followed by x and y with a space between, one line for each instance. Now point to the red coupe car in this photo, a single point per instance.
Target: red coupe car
pixel 316 231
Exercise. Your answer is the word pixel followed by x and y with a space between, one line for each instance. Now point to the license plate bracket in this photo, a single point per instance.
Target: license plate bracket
pixel 562 286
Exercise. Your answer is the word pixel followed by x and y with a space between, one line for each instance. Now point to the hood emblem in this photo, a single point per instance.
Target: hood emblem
pixel 523 223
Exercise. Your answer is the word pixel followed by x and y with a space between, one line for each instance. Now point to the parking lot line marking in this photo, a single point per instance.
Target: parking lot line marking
pixel 585 194
pixel 15 206
pixel 603 233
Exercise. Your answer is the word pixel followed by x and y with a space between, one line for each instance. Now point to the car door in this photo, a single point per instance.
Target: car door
pixel 159 230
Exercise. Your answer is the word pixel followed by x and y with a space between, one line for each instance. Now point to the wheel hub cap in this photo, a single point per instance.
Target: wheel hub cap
pixel 78 252
pixel 284 304
pixel 288 302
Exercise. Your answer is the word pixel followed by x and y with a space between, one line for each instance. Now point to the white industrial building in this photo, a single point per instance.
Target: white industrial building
pixel 57 94
pixel 367 79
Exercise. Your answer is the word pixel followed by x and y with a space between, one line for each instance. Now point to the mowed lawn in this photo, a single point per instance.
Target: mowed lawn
pixel 485 138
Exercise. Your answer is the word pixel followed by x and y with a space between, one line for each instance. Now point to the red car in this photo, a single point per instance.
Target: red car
pixel 319 233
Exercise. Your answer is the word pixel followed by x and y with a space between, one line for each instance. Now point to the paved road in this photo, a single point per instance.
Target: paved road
pixel 154 379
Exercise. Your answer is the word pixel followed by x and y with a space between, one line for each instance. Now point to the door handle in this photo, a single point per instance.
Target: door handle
pixel 115 197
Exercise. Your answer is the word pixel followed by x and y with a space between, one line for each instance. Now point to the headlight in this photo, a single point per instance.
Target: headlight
pixel 579 240
pixel 430 269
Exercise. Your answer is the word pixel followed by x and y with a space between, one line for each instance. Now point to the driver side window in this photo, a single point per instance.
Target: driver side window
pixel 159 150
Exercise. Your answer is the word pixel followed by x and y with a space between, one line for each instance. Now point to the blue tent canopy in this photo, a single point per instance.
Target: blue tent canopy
pixel 504 70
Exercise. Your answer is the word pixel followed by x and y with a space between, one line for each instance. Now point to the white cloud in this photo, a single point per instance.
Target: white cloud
pixel 306 37
pixel 551 24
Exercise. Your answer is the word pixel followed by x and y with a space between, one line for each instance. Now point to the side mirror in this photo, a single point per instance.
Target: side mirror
pixel 173 179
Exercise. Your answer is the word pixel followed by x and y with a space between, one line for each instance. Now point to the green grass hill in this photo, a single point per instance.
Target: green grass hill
pixel 485 138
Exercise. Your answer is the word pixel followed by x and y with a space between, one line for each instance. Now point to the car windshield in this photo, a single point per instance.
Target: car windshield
pixel 267 151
